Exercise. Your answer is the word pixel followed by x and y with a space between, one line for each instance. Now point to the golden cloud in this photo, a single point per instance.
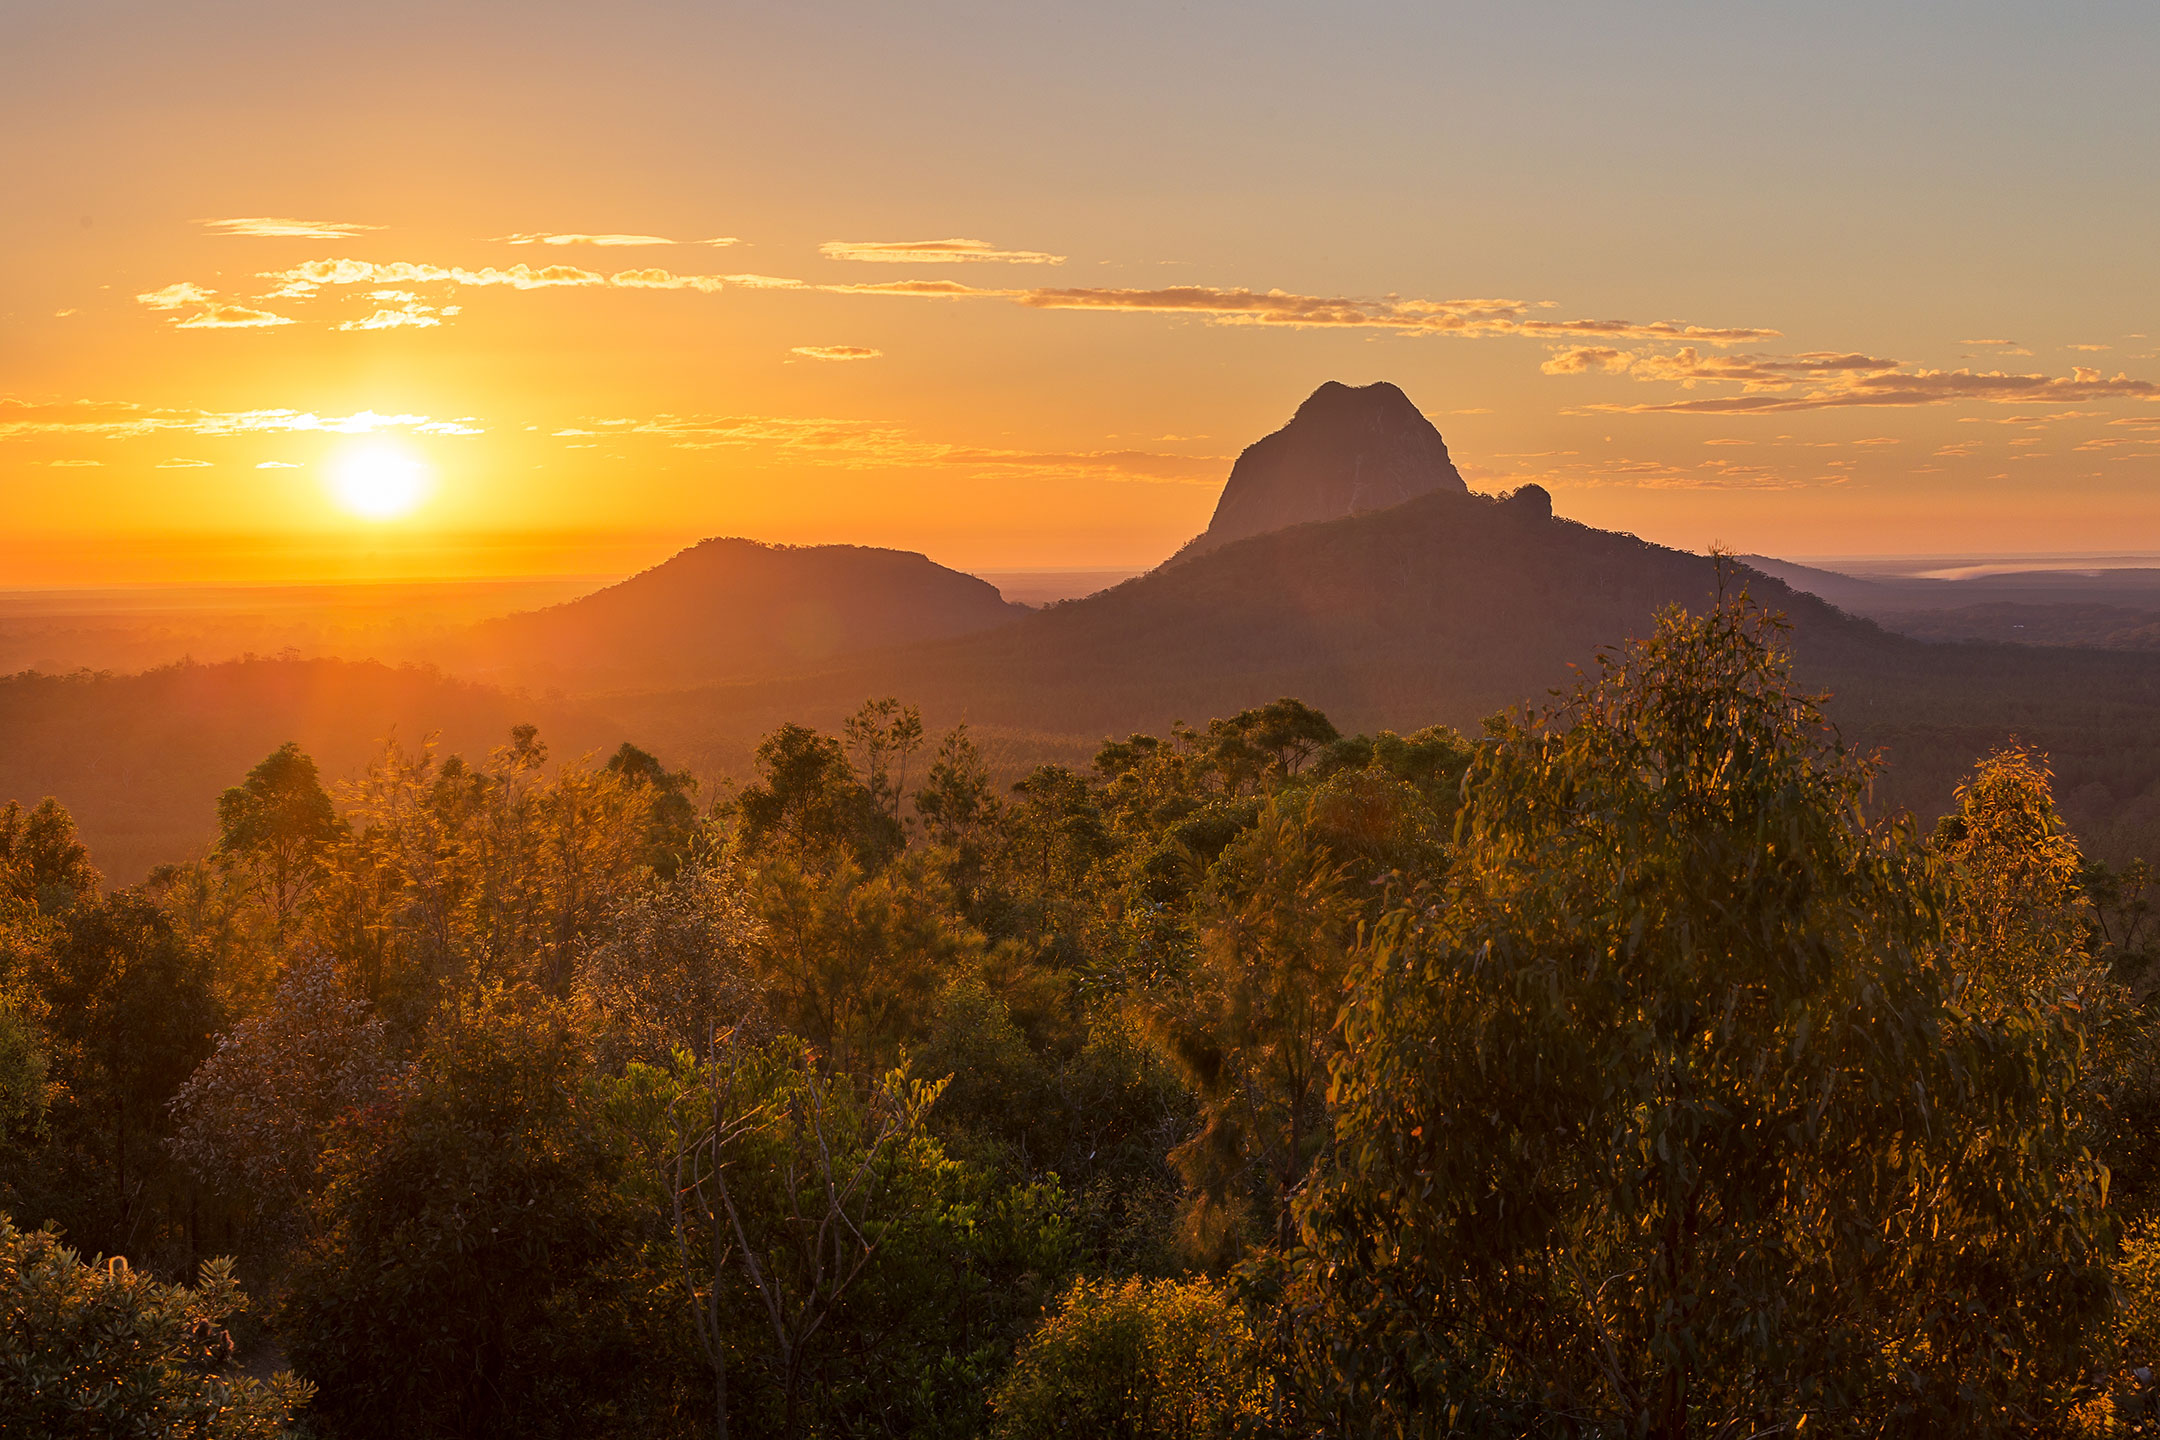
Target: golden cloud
pixel 231 317
pixel 268 227
pixel 305 277
pixel 177 296
pixel 836 352
pixel 932 252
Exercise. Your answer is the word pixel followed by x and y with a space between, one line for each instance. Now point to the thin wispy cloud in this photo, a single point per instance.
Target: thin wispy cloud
pixel 836 352
pixel 274 228
pixel 932 252
pixel 547 238
pixel 858 444
pixel 123 420
pixel 278 465
pixel 209 312
pixel 1821 380
pixel 179 464
pixel 1473 318
pixel 930 289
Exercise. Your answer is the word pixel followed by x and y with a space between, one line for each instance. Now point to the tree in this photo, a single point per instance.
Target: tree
pixel 1136 1360
pixel 1253 1029
pixel 42 862
pixel 273 828
pixel 671 820
pixel 132 1013
pixel 809 803
pixel 255 1116
pixel 677 962
pixel 104 1350
pixel 456 1285
pixel 883 734
pixel 852 963
pixel 801 1205
pixel 1654 1115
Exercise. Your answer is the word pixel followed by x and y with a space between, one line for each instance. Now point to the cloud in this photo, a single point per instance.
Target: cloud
pixel 1712 474
pixel 313 273
pixel 541 237
pixel 176 296
pixel 278 465
pixel 123 420
pixel 1825 380
pixel 404 311
pixel 1581 359
pixel 933 289
pixel 179 464
pixel 213 315
pixel 272 228
pixel 665 280
pixel 862 444
pixel 836 352
pixel 231 317
pixel 932 252
pixel 2088 347
pixel 74 464
pixel 1476 317
pixel 1464 317
pixel 305 279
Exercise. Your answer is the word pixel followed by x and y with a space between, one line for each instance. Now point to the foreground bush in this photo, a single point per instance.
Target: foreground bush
pixel 1135 1359
pixel 100 1350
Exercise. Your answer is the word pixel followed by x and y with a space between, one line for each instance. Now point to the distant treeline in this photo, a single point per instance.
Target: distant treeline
pixel 1620 1069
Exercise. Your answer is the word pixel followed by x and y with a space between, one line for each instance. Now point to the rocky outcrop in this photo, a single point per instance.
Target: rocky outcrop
pixel 1349 450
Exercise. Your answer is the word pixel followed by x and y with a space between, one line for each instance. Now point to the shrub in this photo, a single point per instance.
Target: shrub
pixel 101 1350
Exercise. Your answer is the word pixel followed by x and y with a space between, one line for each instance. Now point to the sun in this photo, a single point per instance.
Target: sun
pixel 379 482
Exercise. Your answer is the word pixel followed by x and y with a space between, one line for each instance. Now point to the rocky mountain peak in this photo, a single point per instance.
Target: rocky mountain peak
pixel 1348 450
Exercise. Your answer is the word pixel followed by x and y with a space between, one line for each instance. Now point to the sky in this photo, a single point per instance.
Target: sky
pixel 304 292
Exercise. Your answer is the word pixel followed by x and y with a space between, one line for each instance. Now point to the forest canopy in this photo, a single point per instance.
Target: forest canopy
pixel 1619 1070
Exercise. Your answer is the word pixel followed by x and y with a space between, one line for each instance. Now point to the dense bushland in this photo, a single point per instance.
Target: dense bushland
pixel 1610 1073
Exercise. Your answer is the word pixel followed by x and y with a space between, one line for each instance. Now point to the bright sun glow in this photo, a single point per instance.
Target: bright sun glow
pixel 379 482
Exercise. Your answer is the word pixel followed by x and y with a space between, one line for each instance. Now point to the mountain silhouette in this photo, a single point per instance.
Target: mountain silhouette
pixel 727 608
pixel 1447 609
pixel 1348 450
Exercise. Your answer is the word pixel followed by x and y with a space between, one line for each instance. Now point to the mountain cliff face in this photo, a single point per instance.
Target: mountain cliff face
pixel 1349 450
pixel 727 609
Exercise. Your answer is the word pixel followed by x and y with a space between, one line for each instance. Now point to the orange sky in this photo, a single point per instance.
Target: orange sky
pixel 1013 287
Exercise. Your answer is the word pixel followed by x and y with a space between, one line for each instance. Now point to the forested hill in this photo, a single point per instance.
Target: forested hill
pixel 141 759
pixel 1444 610
pixel 729 608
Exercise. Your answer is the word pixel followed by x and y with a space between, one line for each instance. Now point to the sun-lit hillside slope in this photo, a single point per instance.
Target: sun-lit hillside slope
pixel 728 608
